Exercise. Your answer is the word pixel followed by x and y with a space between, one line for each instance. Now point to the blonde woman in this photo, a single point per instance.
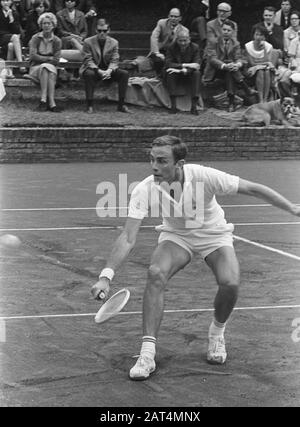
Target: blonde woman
pixel 44 55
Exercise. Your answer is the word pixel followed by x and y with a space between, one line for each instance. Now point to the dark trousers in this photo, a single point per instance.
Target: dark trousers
pixel 158 63
pixel 192 79
pixel 91 79
pixel 231 78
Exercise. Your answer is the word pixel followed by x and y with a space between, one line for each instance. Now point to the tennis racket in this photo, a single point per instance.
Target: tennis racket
pixel 112 306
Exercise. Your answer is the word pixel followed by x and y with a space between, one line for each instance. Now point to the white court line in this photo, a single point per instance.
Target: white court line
pixel 111 227
pixel 114 208
pixel 192 310
pixel 269 248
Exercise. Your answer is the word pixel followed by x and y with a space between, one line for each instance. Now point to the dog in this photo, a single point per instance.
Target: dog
pixel 278 112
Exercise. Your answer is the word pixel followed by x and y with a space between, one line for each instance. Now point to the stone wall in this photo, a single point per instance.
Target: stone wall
pixel 61 144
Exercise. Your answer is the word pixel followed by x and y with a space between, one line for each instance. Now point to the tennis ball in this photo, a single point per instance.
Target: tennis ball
pixel 11 241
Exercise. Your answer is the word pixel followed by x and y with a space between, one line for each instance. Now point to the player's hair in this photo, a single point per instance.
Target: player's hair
pixel 179 148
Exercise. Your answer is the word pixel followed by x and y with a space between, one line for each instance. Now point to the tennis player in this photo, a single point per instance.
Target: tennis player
pixel 193 222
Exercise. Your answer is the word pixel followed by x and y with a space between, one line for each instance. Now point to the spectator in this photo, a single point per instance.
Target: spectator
pixel 10 35
pixel 19 6
pixel 282 16
pixel 275 32
pixel 44 55
pixel 71 26
pixel 163 36
pixel 196 22
pixel 259 56
pixel 38 8
pixel 100 63
pixel 182 66
pixel 88 7
pixel 292 31
pixel 224 61
pixel 214 27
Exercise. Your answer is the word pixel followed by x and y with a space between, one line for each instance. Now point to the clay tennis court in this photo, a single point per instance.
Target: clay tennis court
pixel 54 354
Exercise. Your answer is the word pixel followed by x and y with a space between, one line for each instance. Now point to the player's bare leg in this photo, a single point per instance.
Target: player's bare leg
pixel 167 259
pixel 224 264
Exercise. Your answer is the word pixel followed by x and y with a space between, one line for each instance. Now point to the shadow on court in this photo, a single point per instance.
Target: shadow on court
pixel 54 354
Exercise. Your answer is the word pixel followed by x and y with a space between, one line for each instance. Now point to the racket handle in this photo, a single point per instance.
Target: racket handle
pixel 101 295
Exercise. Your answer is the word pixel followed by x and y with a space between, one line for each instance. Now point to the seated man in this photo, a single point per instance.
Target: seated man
pixel 275 32
pixel 224 61
pixel 163 36
pixel 283 15
pixel 182 66
pixel 71 26
pixel 214 27
pixel 100 62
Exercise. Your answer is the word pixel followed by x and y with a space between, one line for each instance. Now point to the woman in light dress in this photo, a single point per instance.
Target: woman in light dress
pixel 259 57
pixel 44 55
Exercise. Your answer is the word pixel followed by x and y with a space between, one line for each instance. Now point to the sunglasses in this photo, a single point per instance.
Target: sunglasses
pixel 174 16
pixel 222 10
pixel 102 31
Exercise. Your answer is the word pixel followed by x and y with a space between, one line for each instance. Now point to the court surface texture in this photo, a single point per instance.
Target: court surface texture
pixel 54 354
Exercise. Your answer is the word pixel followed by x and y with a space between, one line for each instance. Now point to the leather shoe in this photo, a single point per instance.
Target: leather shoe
pixel 123 109
pixel 194 111
pixel 42 106
pixel 55 109
pixel 173 110
pixel 230 108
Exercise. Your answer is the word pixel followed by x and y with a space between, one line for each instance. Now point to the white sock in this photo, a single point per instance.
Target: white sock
pixel 148 347
pixel 216 329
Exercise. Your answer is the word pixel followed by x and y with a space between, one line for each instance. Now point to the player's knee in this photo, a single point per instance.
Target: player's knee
pixel 156 275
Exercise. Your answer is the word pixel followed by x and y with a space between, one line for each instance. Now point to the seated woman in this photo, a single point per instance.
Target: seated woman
pixel 10 35
pixel 259 57
pixel 44 55
pixel 291 32
pixel 32 27
pixel 71 26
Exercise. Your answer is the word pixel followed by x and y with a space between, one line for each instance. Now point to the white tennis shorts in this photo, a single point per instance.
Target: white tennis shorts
pixel 197 242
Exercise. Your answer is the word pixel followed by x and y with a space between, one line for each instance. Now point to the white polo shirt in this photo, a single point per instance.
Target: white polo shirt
pixel 196 207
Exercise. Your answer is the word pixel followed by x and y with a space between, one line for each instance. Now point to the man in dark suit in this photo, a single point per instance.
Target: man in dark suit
pixel 163 36
pixel 100 63
pixel 275 32
pixel 224 61
pixel 182 67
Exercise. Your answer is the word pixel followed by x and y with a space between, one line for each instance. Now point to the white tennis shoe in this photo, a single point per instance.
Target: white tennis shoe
pixel 142 369
pixel 216 353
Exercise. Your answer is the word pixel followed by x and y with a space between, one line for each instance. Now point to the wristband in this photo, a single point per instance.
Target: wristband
pixel 108 273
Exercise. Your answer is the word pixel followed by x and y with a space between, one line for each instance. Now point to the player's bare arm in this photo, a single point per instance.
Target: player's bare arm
pixel 269 195
pixel 121 249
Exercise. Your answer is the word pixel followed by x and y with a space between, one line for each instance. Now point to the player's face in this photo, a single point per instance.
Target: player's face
pixel 163 165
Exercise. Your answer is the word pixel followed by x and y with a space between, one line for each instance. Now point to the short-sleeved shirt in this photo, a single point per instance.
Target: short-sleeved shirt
pixel 196 208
